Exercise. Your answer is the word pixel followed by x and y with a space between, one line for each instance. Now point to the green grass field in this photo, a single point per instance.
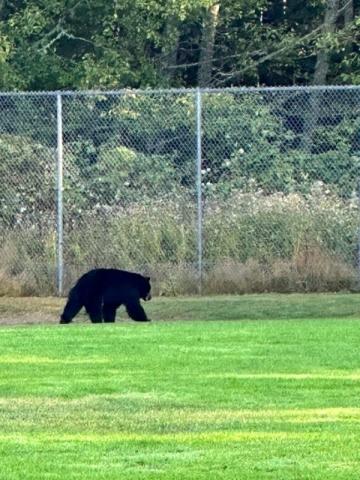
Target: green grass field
pixel 275 395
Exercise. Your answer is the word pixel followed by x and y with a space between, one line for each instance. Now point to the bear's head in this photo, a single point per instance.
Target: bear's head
pixel 145 288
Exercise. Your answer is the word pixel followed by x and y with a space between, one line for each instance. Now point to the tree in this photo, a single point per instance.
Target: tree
pixel 322 61
pixel 72 44
pixel 207 45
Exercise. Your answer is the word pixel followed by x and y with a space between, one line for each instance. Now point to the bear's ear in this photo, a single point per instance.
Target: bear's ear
pixel 147 278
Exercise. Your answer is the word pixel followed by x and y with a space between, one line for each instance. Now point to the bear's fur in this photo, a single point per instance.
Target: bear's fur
pixel 103 290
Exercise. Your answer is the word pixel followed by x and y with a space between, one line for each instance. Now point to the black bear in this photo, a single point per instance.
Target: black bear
pixel 102 290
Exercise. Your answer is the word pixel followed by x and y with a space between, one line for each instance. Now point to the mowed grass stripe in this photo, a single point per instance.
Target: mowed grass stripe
pixel 250 400
pixel 200 437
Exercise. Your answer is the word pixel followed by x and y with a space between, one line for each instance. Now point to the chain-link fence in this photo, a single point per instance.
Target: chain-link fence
pixel 219 191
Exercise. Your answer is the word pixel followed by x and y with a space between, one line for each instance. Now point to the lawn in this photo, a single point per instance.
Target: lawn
pixel 275 395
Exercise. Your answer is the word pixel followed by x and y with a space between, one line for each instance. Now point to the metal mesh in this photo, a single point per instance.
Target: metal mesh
pixel 280 178
pixel 278 169
pixel 27 193
pixel 129 182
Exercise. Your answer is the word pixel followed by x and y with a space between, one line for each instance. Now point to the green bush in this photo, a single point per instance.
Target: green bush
pixel 272 200
pixel 27 172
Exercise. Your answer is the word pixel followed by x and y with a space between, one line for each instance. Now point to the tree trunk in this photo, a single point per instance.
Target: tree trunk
pixel 207 45
pixel 322 61
pixel 311 114
pixel 349 12
pixel 170 53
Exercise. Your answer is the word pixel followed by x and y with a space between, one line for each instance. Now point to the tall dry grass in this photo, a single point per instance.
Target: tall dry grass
pixel 252 243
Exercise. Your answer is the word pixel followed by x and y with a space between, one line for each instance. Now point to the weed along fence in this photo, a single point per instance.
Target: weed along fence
pixel 212 191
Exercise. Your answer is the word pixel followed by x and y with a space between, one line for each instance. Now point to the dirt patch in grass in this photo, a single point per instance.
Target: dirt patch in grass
pixel 30 310
pixel 47 310
pixel 28 319
pixel 38 311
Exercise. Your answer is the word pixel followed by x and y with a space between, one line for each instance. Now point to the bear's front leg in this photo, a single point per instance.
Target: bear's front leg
pixel 109 312
pixel 136 311
pixel 94 310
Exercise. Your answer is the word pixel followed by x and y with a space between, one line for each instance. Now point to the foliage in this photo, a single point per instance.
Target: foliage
pixel 252 243
pixel 274 192
pixel 56 44
pixel 27 189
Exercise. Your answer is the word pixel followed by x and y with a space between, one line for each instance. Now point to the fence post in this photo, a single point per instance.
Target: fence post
pixel 59 199
pixel 358 235
pixel 199 189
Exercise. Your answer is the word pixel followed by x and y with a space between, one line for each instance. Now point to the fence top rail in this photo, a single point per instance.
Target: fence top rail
pixel 183 91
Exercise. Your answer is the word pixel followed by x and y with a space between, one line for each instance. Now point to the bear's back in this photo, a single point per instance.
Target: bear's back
pixel 102 278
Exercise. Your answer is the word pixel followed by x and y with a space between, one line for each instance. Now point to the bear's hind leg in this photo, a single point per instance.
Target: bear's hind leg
pixel 136 311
